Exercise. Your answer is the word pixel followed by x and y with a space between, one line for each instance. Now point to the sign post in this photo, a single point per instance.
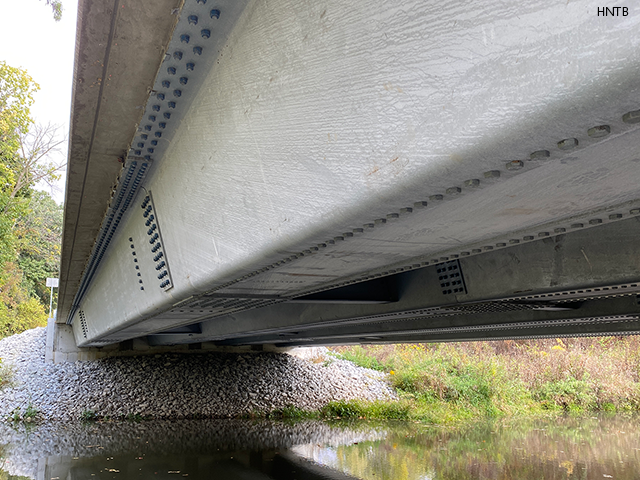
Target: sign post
pixel 53 283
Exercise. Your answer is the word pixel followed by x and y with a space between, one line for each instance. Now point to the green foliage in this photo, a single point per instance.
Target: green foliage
pixel 17 89
pixel 56 7
pixel 569 393
pixel 30 415
pixel 290 412
pixel 30 221
pixel 23 316
pixel 39 237
pixel 367 410
pixel 358 356
pixel 450 383
pixel 88 416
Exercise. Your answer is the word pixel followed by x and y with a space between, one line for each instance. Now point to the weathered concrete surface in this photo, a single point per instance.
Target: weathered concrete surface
pixel 119 47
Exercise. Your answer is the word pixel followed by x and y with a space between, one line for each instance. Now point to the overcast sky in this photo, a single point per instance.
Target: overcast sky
pixel 30 38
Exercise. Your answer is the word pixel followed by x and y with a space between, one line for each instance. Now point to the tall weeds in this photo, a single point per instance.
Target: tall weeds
pixel 456 380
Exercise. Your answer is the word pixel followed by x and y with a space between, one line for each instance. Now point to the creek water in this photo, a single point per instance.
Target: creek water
pixel 556 448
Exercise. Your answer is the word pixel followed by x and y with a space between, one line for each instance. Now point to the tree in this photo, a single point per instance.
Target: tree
pixel 39 238
pixel 56 6
pixel 17 89
pixel 30 221
pixel 31 165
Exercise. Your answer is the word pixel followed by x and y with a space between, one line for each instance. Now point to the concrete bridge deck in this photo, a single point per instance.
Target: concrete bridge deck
pixel 298 172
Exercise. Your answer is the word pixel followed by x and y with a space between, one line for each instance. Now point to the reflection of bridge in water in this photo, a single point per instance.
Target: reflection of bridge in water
pixel 200 449
pixel 251 173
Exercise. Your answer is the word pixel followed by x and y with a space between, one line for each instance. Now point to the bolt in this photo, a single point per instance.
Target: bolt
pixel 474 182
pixel 166 84
pixel 419 205
pixel 527 237
pixel 171 70
pixel 193 19
pixel 177 55
pixel 154 142
pixel 635 211
pixel 215 13
pixel 156 108
pixel 191 66
pixel 453 190
pixel 183 80
pixel 577 225
pixel 615 216
pixel 197 50
pixel 172 104
pixel 540 155
pixel 185 38
pixel 406 210
pixel 144 136
pixel 631 117
pixel 322 245
pixel 475 250
pixel 380 221
pixel 514 241
pixel 492 174
pixel 543 234
pixel 568 143
pixel 599 131
pixel 348 234
pixel 177 93
pixel 338 239
pixel 147 128
pixel 514 165
pixel 158 134
pixel 435 197
pixel 206 33
pixel 487 248
pixel 559 230
pixel 393 216
pixel 367 226
pixel 501 244
pixel 595 221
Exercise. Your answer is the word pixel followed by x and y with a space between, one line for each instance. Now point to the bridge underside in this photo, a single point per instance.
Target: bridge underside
pixel 303 173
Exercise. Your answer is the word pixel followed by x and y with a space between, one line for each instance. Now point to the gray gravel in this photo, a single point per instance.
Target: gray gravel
pixel 207 385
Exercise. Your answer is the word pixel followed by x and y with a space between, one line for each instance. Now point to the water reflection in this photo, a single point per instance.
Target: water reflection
pixel 196 449
pixel 565 448
pixel 561 448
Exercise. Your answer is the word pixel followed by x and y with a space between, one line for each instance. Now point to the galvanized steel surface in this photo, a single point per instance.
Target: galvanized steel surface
pixel 331 143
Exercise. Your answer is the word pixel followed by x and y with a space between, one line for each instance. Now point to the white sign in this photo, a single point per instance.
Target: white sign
pixel 52 282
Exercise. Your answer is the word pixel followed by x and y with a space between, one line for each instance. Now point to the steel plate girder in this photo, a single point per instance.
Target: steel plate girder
pixel 333 143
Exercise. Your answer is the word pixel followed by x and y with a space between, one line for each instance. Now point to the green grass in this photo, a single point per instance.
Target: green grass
pixel 450 383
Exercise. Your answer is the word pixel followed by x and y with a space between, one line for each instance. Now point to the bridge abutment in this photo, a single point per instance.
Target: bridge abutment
pixel 61 347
